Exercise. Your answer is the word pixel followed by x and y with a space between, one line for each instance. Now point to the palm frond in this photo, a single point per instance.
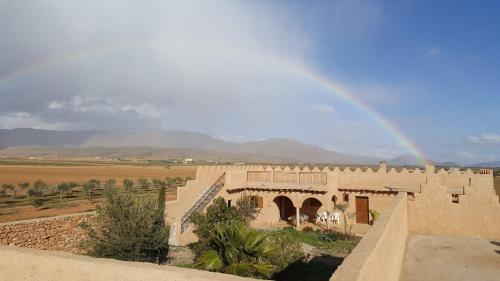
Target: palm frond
pixel 210 260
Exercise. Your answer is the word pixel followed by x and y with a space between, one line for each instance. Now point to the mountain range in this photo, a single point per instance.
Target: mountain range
pixel 172 144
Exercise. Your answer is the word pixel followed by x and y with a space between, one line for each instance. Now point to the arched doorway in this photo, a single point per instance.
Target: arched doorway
pixel 310 207
pixel 285 207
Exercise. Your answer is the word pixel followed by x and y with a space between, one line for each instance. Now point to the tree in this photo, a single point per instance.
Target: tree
pixel 110 184
pixel 239 250
pixel 143 183
pixel 220 213
pixel 36 192
pixel 62 188
pixel 128 185
pixel 158 183
pixel 90 186
pixel 343 207
pixel 216 213
pixel 71 186
pixel 127 228
pixel 40 187
pixel 162 252
pixel 23 185
pixel 247 209
pixel 9 187
pixel 169 181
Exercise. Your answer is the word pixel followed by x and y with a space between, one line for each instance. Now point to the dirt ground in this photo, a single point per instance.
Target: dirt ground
pixel 436 258
pixel 29 212
pixel 79 174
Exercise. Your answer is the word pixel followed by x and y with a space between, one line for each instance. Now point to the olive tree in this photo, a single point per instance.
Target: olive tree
pixel 128 185
pixel 128 228
pixel 90 186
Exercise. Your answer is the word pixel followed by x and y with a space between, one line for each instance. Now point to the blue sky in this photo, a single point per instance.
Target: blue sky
pixel 229 69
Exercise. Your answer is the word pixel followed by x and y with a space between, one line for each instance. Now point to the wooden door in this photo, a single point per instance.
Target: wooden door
pixel 362 210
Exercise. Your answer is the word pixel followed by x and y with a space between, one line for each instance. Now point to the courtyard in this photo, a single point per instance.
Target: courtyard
pixel 440 258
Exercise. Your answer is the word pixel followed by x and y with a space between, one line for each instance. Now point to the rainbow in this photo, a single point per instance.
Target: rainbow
pixel 300 70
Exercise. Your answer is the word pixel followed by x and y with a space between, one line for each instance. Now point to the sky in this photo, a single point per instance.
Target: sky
pixel 426 72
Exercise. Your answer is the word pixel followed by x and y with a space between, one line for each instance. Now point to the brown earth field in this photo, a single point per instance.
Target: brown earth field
pixel 81 174
pixel 71 207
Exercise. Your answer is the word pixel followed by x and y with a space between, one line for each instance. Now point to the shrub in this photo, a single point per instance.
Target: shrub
pixel 239 250
pixel 308 229
pixel 216 213
pixel 110 183
pixel 128 228
pixel 289 249
pixel 143 183
pixel 9 187
pixel 128 185
pixel 37 202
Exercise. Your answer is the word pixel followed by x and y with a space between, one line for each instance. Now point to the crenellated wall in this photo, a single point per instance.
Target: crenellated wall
pixel 430 191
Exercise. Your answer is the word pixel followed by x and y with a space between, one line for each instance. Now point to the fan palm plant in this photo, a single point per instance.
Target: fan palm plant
pixel 239 250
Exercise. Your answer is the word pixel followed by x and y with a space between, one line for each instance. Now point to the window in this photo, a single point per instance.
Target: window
pixel 470 181
pixel 346 197
pixel 229 203
pixel 256 201
pixel 454 198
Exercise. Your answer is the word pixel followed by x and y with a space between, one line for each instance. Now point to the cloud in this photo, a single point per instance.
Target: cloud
pixel 12 120
pixel 434 51
pixel 105 105
pixel 491 138
pixel 322 108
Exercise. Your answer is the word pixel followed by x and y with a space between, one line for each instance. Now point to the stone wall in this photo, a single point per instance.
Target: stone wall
pixel 60 233
pixel 28 264
pixel 379 255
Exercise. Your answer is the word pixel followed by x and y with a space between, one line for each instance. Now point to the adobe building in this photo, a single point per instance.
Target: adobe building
pixel 445 202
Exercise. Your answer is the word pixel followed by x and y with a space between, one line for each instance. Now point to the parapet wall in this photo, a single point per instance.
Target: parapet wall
pixel 28 264
pixel 379 256
pixel 60 233
pixel 374 178
pixel 474 213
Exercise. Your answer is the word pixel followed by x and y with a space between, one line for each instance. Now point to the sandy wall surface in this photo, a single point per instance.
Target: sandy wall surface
pixel 35 265
pixel 379 255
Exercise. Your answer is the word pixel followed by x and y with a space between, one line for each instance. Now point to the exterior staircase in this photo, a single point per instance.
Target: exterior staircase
pixel 202 202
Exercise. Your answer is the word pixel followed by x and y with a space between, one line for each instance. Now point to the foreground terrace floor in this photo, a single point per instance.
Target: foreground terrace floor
pixel 450 258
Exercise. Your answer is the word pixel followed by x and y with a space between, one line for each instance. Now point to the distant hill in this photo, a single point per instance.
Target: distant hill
pixel 495 164
pixel 172 144
pixel 34 137
pixel 408 160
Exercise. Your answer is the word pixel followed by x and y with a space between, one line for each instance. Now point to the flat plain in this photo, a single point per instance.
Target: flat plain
pixel 80 174
pixel 18 207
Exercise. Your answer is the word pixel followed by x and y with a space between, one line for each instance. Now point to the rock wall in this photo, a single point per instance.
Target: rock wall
pixel 62 233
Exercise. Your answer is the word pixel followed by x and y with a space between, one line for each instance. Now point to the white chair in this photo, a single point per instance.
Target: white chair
pixel 318 218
